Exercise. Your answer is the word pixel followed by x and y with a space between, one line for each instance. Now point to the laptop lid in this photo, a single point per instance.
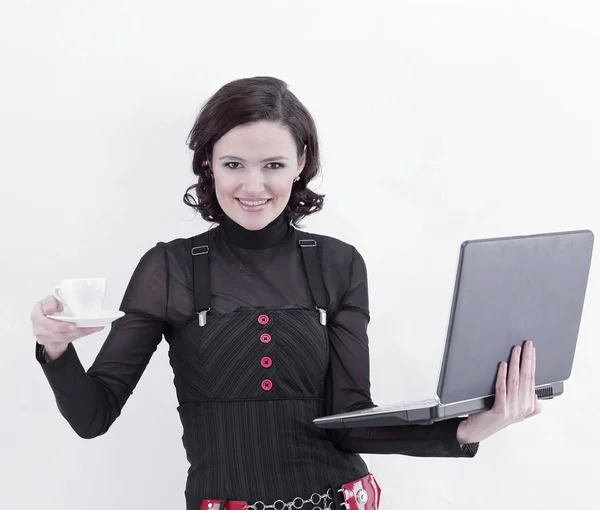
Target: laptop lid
pixel 509 290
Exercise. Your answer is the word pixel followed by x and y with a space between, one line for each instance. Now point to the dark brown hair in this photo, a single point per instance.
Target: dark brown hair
pixel 245 101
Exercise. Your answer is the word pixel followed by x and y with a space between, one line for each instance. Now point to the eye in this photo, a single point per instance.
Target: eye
pixel 228 165
pixel 279 165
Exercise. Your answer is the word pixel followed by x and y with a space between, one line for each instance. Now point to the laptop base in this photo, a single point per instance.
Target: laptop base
pixel 379 417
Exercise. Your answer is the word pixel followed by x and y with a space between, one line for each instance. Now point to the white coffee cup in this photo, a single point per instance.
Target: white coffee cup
pixel 83 296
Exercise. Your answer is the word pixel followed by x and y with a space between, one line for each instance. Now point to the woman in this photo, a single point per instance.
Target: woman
pixel 266 325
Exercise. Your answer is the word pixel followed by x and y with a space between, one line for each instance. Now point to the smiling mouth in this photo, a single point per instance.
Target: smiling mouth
pixel 253 203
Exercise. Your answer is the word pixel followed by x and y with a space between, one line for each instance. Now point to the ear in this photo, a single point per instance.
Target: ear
pixel 301 162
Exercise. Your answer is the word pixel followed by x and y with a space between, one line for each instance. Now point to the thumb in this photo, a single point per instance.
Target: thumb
pixel 50 306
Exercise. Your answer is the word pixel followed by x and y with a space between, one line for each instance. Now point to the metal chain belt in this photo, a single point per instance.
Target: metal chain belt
pixel 297 503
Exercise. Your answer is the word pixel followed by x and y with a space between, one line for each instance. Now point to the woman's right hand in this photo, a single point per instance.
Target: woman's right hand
pixel 55 335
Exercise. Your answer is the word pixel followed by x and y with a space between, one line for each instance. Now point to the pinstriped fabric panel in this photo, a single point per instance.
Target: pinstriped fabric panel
pixel 245 443
pixel 188 349
pixel 268 450
pixel 301 353
pixel 223 361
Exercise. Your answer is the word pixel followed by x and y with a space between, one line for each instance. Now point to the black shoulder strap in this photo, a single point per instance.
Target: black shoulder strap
pixel 314 272
pixel 201 274
pixel 312 268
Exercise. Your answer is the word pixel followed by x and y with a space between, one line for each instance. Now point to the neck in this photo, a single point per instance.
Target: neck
pixel 272 235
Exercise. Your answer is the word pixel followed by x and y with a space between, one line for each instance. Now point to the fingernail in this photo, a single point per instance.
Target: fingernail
pixel 72 327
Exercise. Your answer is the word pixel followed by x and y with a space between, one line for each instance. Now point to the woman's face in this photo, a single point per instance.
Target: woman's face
pixel 254 167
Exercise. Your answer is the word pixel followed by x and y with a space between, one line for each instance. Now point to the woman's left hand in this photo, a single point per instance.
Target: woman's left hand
pixel 515 398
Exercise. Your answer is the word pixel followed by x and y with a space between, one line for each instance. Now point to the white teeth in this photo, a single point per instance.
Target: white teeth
pixel 253 204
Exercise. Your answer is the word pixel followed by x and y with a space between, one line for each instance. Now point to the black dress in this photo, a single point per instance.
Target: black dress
pixel 252 378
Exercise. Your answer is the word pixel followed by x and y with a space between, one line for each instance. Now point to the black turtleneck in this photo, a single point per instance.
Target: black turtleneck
pixel 270 236
pixel 247 269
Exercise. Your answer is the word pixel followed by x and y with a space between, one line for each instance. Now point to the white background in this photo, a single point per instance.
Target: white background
pixel 439 122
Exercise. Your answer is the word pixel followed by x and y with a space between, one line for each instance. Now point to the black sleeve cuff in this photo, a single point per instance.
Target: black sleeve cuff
pixel 62 361
pixel 470 449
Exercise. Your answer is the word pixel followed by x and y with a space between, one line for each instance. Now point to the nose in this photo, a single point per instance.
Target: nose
pixel 254 184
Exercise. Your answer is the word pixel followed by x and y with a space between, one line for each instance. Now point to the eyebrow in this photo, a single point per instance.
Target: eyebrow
pixel 244 161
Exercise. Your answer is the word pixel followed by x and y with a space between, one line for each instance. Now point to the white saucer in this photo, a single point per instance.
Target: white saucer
pixel 99 319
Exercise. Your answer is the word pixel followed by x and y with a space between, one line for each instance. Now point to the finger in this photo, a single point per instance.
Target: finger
pixel 533 367
pixel 512 393
pixel 61 329
pixel 49 327
pixel 500 398
pixel 92 330
pixel 68 336
pixel 85 332
pixel 55 326
pixel 51 305
pixel 73 334
pixel 535 405
pixel 525 393
pixel 39 318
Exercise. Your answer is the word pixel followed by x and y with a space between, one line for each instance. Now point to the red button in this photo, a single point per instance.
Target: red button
pixel 266 362
pixel 265 338
pixel 266 385
pixel 263 319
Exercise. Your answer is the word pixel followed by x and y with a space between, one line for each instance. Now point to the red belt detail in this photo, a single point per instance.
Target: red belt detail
pixel 361 494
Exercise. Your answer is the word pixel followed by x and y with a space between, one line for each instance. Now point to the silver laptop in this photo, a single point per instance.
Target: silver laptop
pixel 507 290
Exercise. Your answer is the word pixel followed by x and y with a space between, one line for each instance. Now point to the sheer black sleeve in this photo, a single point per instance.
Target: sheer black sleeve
pixel 91 401
pixel 349 386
